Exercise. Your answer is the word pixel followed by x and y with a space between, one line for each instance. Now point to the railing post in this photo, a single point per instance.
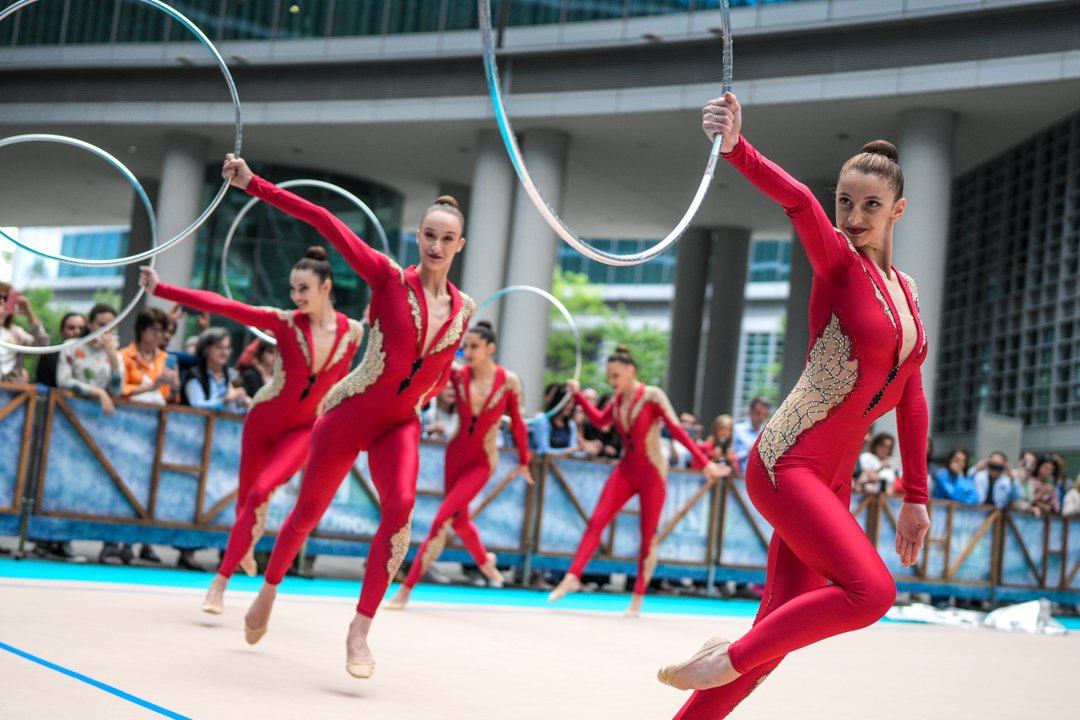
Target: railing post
pixel 30 481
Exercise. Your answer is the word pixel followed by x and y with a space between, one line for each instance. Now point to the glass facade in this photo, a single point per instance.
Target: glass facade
pixel 1010 332
pixel 268 242
pixel 95 245
pixel 770 261
pixel 658 271
pixel 763 354
pixel 53 22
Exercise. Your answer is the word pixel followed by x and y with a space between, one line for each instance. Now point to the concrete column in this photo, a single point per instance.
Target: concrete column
pixel 140 239
pixel 462 194
pixel 687 317
pixel 180 200
pixel 922 234
pixel 800 281
pixel 487 224
pixel 533 246
pixel 731 256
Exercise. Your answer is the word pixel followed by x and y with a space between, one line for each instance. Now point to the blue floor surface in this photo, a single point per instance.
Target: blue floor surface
pixel 453 594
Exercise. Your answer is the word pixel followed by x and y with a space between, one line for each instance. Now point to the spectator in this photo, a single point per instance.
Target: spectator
pixel 440 418
pixel 1026 470
pixel 1039 494
pixel 931 466
pixel 746 432
pixel 678 455
pixel 256 365
pixel 994 480
pixel 72 325
pixel 94 369
pixel 211 385
pixel 952 481
pixel 1070 506
pixel 718 446
pixel 13 303
pixel 877 471
pixel 186 360
pixel 147 376
pixel 558 434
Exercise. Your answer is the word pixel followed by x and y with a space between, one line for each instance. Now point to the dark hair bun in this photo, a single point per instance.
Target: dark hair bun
pixel 484 324
pixel 447 200
pixel 882 147
pixel 316 252
pixel 620 348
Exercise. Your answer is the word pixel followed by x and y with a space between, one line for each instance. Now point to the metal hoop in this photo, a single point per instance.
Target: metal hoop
pixel 287 184
pixel 221 192
pixel 510 140
pixel 569 321
pixel 153 231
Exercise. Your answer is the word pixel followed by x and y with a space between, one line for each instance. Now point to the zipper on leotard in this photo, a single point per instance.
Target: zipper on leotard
pixel 408 381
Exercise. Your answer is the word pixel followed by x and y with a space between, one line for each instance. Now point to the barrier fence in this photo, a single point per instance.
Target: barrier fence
pixel 168 474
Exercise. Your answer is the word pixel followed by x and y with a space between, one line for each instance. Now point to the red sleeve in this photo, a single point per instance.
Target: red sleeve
pixel 663 410
pixel 370 264
pixel 826 248
pixel 521 432
pixel 600 419
pixel 265 318
pixel 912 426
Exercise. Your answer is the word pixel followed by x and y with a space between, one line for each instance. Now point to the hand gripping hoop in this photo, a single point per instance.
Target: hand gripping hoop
pixel 221 192
pixel 569 321
pixel 288 184
pixel 510 140
pixel 153 231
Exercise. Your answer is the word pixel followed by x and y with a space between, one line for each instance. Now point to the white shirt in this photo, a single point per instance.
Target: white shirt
pixel 745 437
pixel 870 461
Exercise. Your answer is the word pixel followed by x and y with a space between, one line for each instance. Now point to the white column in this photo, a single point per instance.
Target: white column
pixel 488 223
pixel 922 234
pixel 533 246
pixel 180 200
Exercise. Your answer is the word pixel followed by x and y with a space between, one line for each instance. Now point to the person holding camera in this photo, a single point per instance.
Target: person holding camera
pixel 995 480
pixel 13 303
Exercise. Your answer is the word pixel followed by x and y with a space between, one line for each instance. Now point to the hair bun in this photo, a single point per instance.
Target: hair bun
pixel 620 348
pixel 882 147
pixel 484 324
pixel 316 252
pixel 447 200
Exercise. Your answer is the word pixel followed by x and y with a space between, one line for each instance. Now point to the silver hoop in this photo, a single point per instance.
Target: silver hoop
pixel 153 231
pixel 510 140
pixel 569 321
pixel 287 184
pixel 157 249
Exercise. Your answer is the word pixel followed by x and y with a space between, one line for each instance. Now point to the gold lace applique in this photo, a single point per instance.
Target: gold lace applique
pixel 354 335
pixel 261 513
pixel 497 396
pixel 491 445
pixel 417 315
pixel 424 396
pixel 651 394
pixel 648 567
pixel 830 374
pixel 461 320
pixel 399 546
pixel 272 389
pixel 434 547
pixel 654 450
pixel 364 376
pixel 515 384
pixel 395 266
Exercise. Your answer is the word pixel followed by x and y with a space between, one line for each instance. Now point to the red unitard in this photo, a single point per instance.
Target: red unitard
pixel 376 407
pixel 471 459
pixel 278 424
pixel 824 575
pixel 642 470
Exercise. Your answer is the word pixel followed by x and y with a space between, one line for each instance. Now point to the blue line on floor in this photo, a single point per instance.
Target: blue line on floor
pixel 95 683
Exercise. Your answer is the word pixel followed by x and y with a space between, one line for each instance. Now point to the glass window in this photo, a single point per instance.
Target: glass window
pixel 582 10
pixel 90 21
pixel 139 23
pixel 462 14
pixel 359 17
pixel 770 260
pixel 303 18
pixel 39 24
pixel 659 7
pixel 249 19
pixel 93 246
pixel 533 12
pixel 409 16
pixel 206 14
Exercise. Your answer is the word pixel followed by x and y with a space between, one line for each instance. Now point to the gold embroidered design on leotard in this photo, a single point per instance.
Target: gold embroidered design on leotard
pixel 654 450
pixel 830 374
pixel 354 335
pixel 752 688
pixel 364 376
pixel 395 266
pixel 515 384
pixel 915 297
pixel 435 547
pixel 261 513
pixel 272 389
pixel 399 545
pixel 417 315
pixel 461 320
pixel 877 291
pixel 496 396
pixel 491 445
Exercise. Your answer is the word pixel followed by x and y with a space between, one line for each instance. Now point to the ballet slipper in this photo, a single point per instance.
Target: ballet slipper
pixel 570 583
pixel 209 607
pixel 490 571
pixel 400 599
pixel 254 636
pixel 667 675
pixel 212 605
pixel 635 606
pixel 360 670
